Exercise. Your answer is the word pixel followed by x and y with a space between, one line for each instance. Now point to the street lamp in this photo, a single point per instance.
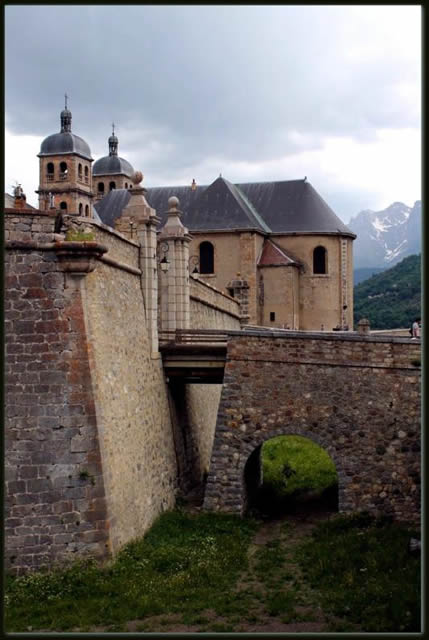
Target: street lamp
pixel 163 248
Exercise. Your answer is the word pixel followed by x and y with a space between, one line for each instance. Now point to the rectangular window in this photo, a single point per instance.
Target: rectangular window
pixel 272 316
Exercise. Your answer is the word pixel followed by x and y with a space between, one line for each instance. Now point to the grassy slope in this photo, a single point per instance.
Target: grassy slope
pixel 391 299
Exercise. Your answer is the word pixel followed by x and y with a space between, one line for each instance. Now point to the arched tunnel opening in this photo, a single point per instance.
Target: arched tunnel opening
pixel 290 474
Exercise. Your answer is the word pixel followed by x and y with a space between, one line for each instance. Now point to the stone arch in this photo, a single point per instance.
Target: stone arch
pixel 251 474
pixel 100 187
pixel 112 185
pixel 63 206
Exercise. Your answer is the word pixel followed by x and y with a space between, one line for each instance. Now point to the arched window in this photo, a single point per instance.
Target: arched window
pixel 63 206
pixel 50 171
pixel 79 170
pixel 112 185
pixel 126 185
pixel 319 260
pixel 86 210
pixel 206 257
pixel 63 170
pixel 86 174
pixel 100 187
pixel 80 209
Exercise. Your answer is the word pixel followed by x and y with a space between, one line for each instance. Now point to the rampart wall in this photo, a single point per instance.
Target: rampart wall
pixel 90 459
pixel 358 397
pixel 210 309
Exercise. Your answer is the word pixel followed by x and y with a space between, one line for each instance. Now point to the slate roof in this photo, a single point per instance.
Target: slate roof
pixel 274 256
pixel 112 165
pixel 110 207
pixel 283 207
pixel 64 142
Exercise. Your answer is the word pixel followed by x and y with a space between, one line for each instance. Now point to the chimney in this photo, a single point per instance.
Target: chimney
pixel 20 199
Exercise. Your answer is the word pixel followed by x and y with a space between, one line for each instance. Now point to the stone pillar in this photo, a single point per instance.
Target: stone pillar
pixel 173 247
pixel 248 260
pixel 364 327
pixel 138 222
pixel 239 289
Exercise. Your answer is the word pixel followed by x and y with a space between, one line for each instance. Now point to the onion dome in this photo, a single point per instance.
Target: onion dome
pixel 65 141
pixel 112 164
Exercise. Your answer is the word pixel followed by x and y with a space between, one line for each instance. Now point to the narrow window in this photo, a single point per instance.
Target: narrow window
pixel 319 260
pixel 126 185
pixel 86 172
pixel 112 186
pixel 206 257
pixel 79 170
pixel 86 210
pixel 80 209
pixel 63 167
pixel 101 187
pixel 63 206
pixel 50 168
pixel 272 316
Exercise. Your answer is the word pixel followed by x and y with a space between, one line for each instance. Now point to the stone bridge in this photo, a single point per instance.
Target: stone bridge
pixel 357 396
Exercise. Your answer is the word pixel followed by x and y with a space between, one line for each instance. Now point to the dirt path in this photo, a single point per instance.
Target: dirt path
pixel 279 598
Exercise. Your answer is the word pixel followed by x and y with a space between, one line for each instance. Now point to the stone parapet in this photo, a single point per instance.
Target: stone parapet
pixel 28 225
pixel 205 294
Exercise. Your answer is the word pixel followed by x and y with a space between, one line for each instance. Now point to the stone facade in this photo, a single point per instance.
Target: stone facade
pixel 298 298
pixel 72 186
pixel 210 309
pixel 55 498
pixel 90 459
pixel 130 396
pixel 357 397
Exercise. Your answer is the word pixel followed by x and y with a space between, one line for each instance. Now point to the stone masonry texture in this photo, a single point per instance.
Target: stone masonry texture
pixel 358 398
pixel 55 499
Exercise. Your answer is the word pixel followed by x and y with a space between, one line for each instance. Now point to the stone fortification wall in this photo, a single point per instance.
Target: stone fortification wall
pixel 119 248
pixel 131 401
pixel 210 309
pixel 88 443
pixel 55 502
pixel 25 225
pixel 357 397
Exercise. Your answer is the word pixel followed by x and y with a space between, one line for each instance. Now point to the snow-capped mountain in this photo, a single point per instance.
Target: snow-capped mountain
pixel 386 237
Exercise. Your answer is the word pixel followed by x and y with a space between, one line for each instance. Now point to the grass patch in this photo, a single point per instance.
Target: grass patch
pixel 185 564
pixel 294 464
pixel 364 573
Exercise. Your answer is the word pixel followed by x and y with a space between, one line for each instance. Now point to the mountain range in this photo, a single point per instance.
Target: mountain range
pixel 385 237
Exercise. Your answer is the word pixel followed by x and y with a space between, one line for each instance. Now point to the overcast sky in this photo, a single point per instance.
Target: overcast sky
pixel 253 92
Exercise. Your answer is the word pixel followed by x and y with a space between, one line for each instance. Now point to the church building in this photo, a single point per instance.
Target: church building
pixel 277 247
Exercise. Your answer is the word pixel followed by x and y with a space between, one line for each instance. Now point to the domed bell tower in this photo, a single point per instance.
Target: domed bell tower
pixel 65 176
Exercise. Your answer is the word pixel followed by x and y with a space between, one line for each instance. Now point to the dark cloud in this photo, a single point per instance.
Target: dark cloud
pixel 184 83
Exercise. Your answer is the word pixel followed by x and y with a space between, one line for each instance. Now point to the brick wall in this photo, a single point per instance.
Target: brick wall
pixel 359 398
